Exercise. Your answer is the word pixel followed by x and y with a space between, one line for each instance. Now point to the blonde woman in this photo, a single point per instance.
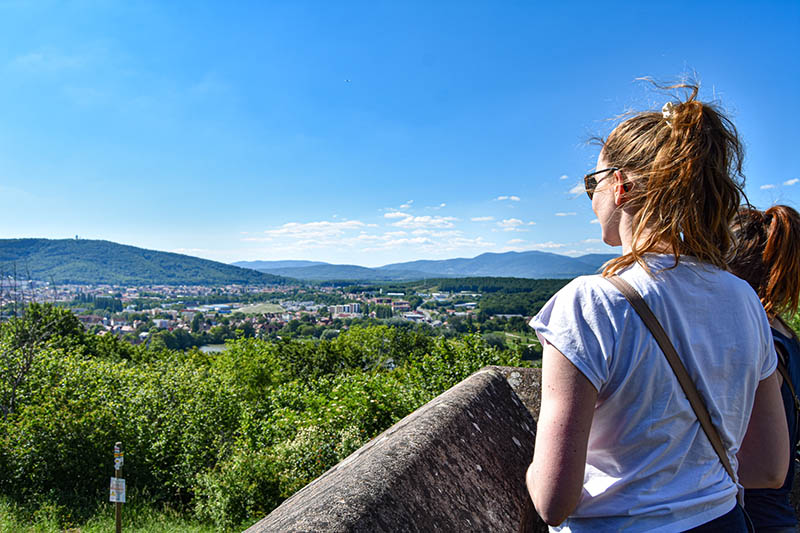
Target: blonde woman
pixel 618 447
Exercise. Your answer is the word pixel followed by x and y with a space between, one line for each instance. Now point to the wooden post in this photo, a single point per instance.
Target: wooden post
pixel 118 459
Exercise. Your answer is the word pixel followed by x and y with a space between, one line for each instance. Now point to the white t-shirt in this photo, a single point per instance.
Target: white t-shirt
pixel 650 466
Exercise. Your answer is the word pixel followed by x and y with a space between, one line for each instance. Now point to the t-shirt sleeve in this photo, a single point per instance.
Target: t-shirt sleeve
pixel 577 322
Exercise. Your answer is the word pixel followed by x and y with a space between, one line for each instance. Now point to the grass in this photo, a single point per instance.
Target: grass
pixel 136 518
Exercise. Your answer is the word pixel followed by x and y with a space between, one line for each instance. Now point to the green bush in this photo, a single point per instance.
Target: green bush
pixel 229 435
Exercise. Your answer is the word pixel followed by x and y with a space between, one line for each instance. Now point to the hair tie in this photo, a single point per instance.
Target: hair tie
pixel 668 112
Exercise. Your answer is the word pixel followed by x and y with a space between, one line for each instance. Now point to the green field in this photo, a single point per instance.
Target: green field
pixel 260 309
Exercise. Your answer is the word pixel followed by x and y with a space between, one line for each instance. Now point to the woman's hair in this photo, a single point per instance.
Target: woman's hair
pixel 767 256
pixel 686 166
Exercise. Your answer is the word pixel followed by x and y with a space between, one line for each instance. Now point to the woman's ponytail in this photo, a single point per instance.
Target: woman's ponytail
pixel 767 256
pixel 688 160
pixel 782 258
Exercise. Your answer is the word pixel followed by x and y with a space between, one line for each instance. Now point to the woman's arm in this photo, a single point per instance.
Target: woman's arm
pixel 764 455
pixel 555 477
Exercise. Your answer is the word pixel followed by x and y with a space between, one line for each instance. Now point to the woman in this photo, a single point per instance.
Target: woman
pixel 617 446
pixel 767 256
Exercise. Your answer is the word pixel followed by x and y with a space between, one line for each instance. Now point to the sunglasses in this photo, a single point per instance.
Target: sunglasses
pixel 590 182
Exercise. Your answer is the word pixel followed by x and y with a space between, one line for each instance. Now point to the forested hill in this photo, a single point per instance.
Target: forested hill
pixel 87 261
pixel 531 264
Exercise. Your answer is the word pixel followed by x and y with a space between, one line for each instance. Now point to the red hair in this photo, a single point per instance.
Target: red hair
pixel 767 256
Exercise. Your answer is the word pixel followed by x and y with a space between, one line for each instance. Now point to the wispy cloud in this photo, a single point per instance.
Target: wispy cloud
pixel 595 221
pixel 563 177
pixel 792 181
pixel 511 198
pixel 516 241
pixel 550 245
pixel 578 189
pixel 427 221
pixel 432 243
pixel 407 205
pixel 514 224
pixel 309 230
pixel 481 219
pixel 570 214
pixel 395 214
pixel 47 60
pixel 768 186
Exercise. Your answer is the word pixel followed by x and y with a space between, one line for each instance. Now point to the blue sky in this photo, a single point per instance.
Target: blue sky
pixel 361 132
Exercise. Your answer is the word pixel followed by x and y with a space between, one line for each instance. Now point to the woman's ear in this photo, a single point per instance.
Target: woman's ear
pixel 621 188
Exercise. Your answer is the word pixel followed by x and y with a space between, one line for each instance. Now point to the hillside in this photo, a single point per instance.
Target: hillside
pixel 534 265
pixel 88 261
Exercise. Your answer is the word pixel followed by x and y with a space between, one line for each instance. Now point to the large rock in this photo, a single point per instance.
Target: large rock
pixel 457 464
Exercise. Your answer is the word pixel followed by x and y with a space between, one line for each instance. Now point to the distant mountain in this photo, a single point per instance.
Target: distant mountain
pixel 327 272
pixel 531 264
pixel 266 266
pixel 596 260
pixel 536 265
pixel 88 262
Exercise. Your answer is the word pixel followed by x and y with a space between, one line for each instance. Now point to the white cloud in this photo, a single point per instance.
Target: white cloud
pixel 435 233
pixel 563 177
pixel 407 205
pixel 516 241
pixel 395 214
pixel 511 198
pixel 792 181
pixel 591 241
pixel 595 221
pixel 442 205
pixel 427 221
pixel 578 189
pixel 481 219
pixel 570 214
pixel 768 186
pixel 309 230
pixel 511 224
pixel 550 245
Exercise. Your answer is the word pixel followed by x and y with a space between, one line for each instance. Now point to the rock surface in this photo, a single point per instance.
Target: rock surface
pixel 456 464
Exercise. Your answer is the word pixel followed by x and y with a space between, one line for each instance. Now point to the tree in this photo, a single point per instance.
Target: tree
pixel 197 322
pixel 22 338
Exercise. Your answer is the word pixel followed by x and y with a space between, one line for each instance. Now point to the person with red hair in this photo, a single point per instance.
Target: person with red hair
pixel 767 256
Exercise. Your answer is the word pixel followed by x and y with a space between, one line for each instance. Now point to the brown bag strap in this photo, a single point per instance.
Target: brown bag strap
pixel 652 323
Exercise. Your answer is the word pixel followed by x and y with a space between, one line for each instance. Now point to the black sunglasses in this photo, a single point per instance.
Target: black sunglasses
pixel 590 182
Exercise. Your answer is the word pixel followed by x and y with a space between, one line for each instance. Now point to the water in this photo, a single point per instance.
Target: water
pixel 213 348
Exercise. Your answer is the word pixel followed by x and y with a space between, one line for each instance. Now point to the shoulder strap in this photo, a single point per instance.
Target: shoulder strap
pixel 782 358
pixel 652 323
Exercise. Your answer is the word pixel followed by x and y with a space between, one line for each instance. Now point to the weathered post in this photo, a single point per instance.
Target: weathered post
pixel 118 485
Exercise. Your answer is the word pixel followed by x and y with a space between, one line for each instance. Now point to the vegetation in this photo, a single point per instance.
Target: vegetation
pixel 216 438
pixel 94 262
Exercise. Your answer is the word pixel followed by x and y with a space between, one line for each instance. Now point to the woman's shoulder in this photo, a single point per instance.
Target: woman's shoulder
pixel 586 295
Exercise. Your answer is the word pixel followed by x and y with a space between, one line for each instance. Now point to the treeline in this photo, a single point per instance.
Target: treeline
pixel 221 437
pixel 502 285
pixel 106 303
